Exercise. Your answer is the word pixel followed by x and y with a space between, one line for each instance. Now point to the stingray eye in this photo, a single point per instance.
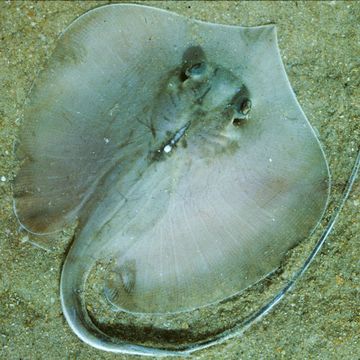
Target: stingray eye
pixel 241 105
pixel 241 101
pixel 241 114
pixel 194 64
pixel 245 107
pixel 196 71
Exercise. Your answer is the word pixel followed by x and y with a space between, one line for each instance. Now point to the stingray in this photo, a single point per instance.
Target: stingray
pixel 181 151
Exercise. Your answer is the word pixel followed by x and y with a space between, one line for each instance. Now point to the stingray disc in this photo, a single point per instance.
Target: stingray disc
pixel 180 147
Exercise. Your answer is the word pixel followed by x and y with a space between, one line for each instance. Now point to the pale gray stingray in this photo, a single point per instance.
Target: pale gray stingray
pixel 180 148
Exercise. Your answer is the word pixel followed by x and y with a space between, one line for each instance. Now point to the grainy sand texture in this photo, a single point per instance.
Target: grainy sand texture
pixel 319 318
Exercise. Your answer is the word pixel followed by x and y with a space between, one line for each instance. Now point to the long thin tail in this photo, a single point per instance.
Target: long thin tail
pixel 73 282
pixel 72 288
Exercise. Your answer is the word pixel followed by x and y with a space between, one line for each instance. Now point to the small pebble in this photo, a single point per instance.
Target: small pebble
pixel 25 239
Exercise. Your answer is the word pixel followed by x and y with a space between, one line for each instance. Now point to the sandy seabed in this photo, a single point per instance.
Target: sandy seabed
pixel 319 319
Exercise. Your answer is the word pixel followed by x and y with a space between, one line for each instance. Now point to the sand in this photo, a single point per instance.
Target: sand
pixel 319 318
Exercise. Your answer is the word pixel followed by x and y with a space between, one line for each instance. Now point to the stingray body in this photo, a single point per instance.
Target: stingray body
pixel 181 150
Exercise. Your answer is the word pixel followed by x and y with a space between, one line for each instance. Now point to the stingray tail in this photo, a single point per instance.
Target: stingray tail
pixel 72 288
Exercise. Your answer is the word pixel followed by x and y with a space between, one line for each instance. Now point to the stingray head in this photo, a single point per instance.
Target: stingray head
pixel 200 105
